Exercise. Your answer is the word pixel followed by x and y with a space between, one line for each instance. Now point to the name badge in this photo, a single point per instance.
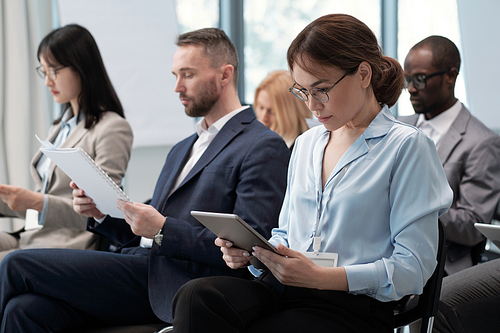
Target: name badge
pixel 323 259
pixel 31 220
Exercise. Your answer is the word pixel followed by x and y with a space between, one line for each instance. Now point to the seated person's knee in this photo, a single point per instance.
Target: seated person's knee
pixel 8 242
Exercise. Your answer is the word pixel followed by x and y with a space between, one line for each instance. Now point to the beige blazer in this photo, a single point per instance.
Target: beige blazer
pixel 109 143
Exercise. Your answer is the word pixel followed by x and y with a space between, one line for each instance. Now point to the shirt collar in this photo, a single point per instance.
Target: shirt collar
pixel 69 119
pixel 442 122
pixel 217 126
pixel 380 125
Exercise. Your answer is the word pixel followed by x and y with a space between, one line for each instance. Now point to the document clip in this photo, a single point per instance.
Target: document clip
pixel 316 244
pixel 31 220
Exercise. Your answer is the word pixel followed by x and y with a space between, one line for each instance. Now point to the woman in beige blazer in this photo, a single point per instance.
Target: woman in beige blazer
pixel 92 118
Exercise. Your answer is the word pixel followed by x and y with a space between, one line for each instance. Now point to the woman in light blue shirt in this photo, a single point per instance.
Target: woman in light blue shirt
pixel 363 187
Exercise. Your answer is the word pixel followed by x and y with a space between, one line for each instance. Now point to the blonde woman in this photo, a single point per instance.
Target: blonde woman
pixel 279 110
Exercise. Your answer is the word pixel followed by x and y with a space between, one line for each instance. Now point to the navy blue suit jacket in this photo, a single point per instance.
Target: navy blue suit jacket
pixel 243 171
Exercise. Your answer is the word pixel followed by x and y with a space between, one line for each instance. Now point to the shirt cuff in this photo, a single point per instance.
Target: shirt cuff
pixel 255 271
pixel 99 221
pixel 362 279
pixel 43 215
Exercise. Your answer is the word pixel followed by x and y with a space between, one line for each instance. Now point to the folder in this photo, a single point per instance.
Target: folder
pixel 88 176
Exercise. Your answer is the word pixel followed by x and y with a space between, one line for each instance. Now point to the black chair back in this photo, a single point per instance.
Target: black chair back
pixel 424 306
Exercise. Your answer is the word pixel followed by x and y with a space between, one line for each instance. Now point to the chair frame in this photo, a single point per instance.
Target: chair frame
pixel 144 328
pixel 426 307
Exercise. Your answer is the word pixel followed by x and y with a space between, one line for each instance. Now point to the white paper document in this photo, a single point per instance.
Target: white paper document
pixel 88 176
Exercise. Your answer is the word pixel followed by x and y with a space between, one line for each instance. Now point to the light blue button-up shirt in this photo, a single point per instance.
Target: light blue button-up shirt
pixel 381 217
pixel 68 126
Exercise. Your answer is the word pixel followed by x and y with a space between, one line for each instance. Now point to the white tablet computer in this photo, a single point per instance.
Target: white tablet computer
pixel 232 228
pixel 491 231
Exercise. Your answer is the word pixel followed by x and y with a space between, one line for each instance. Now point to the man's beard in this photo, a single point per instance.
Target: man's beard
pixel 202 105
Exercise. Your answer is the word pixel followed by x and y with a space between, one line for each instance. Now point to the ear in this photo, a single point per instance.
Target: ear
pixel 451 77
pixel 365 74
pixel 227 72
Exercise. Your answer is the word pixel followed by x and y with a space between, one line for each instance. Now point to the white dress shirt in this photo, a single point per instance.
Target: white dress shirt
pixel 436 127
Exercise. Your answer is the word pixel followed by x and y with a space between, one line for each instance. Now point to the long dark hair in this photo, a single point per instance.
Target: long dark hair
pixel 73 46
pixel 342 41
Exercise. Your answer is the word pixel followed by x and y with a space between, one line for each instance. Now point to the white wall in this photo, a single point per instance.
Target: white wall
pixel 137 42
pixel 143 171
pixel 479 29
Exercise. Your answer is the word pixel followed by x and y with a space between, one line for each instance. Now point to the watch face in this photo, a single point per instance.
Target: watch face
pixel 158 239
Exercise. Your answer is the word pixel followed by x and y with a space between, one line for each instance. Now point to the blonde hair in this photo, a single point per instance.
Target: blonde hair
pixel 289 112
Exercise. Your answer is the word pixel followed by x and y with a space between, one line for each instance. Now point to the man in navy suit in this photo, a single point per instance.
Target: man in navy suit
pixel 234 164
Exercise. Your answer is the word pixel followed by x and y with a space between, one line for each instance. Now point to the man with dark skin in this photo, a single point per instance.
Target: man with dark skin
pixel 468 150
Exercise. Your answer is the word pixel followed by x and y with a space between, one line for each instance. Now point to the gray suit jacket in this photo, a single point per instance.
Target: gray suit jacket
pixel 470 154
pixel 109 143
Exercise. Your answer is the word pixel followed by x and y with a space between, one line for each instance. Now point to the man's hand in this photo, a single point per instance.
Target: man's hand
pixel 234 258
pixel 20 198
pixel 144 220
pixel 84 205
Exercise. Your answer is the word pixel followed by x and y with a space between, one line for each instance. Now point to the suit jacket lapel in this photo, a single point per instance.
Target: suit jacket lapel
pixel 71 141
pixel 231 129
pixel 176 168
pixel 221 140
pixel 51 136
pixel 75 136
pixel 454 135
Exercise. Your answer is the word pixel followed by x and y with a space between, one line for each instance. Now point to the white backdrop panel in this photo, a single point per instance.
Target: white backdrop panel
pixel 479 27
pixel 137 43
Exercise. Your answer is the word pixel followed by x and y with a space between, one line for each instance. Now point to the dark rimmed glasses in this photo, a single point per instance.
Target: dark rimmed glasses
pixel 420 80
pixel 52 74
pixel 317 93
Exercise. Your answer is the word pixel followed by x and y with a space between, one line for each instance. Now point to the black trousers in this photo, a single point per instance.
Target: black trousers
pixel 470 300
pixel 53 290
pixel 227 304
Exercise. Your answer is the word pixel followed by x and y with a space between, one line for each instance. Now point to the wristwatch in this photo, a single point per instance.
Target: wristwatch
pixel 158 238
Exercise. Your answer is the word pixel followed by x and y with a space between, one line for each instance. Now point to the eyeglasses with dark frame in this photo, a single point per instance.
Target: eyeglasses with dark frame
pixel 317 93
pixel 52 74
pixel 420 80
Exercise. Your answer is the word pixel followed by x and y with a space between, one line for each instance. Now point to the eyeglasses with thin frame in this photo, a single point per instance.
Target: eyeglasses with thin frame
pixel 420 80
pixel 317 93
pixel 52 74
